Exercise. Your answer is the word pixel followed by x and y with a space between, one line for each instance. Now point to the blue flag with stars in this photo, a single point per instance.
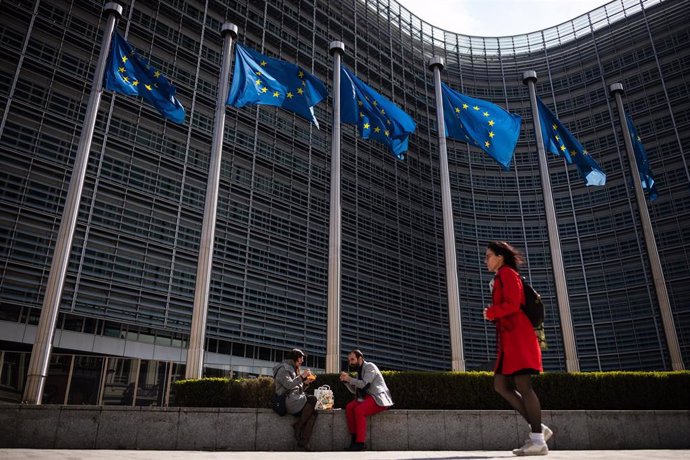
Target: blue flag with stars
pixel 126 72
pixel 375 116
pixel 559 141
pixel 642 161
pixel 482 124
pixel 259 79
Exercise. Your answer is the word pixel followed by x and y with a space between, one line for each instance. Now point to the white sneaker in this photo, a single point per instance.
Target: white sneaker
pixel 547 433
pixel 530 449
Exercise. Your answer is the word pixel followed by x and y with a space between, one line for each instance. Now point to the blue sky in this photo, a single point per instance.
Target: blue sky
pixel 493 18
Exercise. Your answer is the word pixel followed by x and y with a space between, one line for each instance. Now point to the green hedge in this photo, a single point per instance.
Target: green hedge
pixel 467 390
pixel 218 392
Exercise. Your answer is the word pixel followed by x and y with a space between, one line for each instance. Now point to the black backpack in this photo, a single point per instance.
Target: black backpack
pixel 533 306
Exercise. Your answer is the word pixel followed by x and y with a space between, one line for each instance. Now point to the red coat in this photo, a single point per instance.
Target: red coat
pixel 516 342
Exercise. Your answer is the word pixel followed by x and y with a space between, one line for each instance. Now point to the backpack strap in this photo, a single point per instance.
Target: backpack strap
pixel 522 279
pixel 275 379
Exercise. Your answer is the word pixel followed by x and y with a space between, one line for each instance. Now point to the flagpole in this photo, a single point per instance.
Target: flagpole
pixel 457 356
pixel 652 251
pixel 571 362
pixel 195 352
pixel 40 353
pixel 337 48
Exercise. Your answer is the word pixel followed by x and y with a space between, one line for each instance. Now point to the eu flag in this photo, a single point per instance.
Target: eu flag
pixel 259 79
pixel 559 141
pixel 482 124
pixel 126 72
pixel 642 161
pixel 375 116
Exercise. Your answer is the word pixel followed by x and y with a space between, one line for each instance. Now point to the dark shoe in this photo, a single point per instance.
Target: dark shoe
pixel 357 446
pixel 353 440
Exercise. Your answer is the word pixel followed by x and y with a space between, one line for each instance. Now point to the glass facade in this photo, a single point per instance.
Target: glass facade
pixel 129 288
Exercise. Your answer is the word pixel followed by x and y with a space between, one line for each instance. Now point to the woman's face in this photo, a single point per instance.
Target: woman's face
pixel 493 262
pixel 299 361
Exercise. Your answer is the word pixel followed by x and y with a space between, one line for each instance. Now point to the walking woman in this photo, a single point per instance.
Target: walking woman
pixel 290 379
pixel 518 353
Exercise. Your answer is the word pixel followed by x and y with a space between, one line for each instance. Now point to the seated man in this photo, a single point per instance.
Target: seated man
pixel 372 397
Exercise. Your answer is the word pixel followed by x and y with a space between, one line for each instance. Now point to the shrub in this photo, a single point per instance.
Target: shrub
pixel 467 390
pixel 211 392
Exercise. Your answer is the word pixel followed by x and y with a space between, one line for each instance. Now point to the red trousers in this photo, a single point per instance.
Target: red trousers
pixel 357 413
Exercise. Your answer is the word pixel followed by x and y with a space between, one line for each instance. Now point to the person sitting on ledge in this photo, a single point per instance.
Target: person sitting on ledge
pixel 291 380
pixel 372 397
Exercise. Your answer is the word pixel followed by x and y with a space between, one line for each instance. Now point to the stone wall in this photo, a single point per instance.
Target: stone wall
pixel 112 427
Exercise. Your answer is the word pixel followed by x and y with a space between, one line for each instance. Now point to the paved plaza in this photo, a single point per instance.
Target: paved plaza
pixel 67 454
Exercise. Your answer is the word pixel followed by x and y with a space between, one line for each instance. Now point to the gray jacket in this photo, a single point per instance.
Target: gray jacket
pixel 287 381
pixel 371 375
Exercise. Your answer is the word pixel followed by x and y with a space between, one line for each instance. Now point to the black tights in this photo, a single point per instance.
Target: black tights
pixel 304 425
pixel 521 396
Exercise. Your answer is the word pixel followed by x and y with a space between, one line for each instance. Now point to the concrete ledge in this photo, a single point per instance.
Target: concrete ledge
pixel 106 427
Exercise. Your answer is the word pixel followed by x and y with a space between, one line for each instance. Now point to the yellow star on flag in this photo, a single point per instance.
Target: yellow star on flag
pixel 366 125
pixel 124 58
pixel 476 107
pixel 289 95
pixel 377 129
pixel 300 91
pixel 486 114
pixel 148 87
pixel 157 73
pixel 487 144
pixel 276 94
pixel 465 106
pixel 264 89
pixel 562 148
pixel 263 63
pixel 491 122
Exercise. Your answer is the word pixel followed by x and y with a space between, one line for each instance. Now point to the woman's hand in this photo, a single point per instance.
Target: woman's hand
pixel 484 312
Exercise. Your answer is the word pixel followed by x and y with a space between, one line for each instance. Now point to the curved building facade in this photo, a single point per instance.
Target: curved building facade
pixel 126 308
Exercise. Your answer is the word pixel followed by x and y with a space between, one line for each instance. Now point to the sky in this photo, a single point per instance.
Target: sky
pixel 495 18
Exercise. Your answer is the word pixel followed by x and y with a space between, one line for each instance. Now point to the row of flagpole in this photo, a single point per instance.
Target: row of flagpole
pixel 337 48
pixel 456 351
pixel 396 135
pixel 40 353
pixel 652 252
pixel 195 351
pixel 571 362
